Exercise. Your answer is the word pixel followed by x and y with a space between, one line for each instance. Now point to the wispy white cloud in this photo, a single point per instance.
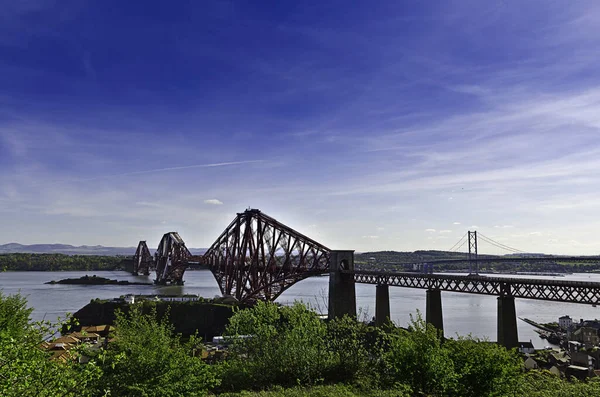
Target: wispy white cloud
pixel 213 202
pixel 166 169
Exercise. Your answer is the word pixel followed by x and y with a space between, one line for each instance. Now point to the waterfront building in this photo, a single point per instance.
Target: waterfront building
pixel 588 336
pixel 565 322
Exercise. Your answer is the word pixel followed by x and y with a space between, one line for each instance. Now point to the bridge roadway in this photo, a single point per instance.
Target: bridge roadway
pixel 536 259
pixel 342 295
pixel 542 289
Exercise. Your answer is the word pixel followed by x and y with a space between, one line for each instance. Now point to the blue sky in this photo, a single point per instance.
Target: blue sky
pixel 376 125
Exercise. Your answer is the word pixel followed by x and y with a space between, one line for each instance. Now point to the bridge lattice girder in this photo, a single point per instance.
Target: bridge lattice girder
pixel 142 260
pixel 550 290
pixel 257 257
pixel 172 258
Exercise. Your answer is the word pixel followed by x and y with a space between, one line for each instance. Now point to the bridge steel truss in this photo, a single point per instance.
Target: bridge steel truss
pixel 172 257
pixel 549 290
pixel 142 260
pixel 257 257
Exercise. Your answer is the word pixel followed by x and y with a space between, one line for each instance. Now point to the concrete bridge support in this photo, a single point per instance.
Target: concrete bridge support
pixel 433 310
pixel 382 304
pixel 342 293
pixel 507 322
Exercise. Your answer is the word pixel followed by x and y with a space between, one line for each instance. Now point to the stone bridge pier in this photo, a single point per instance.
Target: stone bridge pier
pixel 433 309
pixel 342 299
pixel 342 291
pixel 507 334
pixel 507 319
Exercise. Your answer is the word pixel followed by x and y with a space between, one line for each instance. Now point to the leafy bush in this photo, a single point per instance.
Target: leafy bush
pixel 419 360
pixel 147 360
pixel 546 384
pixel 323 391
pixel 26 369
pixel 287 347
pixel 483 368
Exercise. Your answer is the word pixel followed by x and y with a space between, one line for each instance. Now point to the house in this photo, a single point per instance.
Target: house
pixel 530 363
pixel 555 371
pixel 90 337
pixel 574 346
pixel 578 372
pixel 526 347
pixel 101 330
pixel 588 336
pixel 59 346
pixel 178 298
pixel 565 322
pixel 583 359
pixel 559 359
pixel 67 339
pixel 61 355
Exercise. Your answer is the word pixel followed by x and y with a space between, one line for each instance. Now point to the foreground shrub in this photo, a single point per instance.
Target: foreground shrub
pixel 286 347
pixel 483 368
pixel 418 359
pixel 25 368
pixel 546 384
pixel 323 391
pixel 147 360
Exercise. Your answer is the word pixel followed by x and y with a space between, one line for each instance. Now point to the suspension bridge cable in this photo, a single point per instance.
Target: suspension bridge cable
pixel 503 247
pixel 500 245
pixel 454 246
pixel 460 246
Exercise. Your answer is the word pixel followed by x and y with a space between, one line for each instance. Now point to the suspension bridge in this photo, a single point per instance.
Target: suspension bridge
pixel 258 258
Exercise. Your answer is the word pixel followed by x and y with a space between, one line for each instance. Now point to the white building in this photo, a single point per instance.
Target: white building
pixel 178 298
pixel 565 322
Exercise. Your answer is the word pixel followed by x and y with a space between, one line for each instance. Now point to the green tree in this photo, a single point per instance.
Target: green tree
pixel 147 360
pixel 417 359
pixel 26 369
pixel 275 345
pixel 483 368
pixel 356 349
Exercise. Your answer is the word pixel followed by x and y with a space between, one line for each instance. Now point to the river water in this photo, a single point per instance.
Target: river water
pixel 463 313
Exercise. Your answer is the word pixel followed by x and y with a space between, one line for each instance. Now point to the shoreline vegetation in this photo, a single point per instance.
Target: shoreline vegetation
pixel 274 351
pixel 60 262
pixel 381 260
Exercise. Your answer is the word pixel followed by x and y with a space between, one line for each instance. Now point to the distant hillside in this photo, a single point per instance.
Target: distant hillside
pixel 12 248
pixel 409 257
pixel 401 261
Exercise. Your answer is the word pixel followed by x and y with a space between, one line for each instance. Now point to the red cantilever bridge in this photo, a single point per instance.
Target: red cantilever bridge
pixel 257 258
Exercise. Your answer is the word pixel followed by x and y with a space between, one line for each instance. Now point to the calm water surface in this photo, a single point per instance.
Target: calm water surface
pixel 463 313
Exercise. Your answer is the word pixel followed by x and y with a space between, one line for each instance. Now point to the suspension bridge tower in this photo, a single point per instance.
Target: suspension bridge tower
pixel 473 264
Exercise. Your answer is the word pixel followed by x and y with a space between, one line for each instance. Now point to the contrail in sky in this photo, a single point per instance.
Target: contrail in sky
pixel 184 167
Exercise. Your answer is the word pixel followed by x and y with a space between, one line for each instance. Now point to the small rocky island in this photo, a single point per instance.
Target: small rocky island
pixel 93 280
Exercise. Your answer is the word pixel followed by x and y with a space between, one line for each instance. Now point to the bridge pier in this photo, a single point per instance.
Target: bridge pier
pixel 342 292
pixel 507 322
pixel 382 304
pixel 433 309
